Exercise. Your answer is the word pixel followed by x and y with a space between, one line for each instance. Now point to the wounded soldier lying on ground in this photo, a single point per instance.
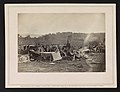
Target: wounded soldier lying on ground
pixel 79 55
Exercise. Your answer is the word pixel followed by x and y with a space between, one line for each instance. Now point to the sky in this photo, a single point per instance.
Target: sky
pixel 44 23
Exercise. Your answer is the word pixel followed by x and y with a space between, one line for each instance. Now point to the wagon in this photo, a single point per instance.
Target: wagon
pixel 44 56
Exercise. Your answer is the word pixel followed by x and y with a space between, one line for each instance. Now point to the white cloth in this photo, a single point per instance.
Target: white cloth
pixel 56 56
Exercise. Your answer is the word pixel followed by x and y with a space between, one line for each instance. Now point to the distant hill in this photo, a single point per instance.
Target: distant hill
pixel 76 39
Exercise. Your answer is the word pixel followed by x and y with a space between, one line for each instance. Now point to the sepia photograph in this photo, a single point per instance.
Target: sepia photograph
pixel 60 42
pixel 60 46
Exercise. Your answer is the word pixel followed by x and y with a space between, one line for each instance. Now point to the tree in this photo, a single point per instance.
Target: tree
pixel 28 36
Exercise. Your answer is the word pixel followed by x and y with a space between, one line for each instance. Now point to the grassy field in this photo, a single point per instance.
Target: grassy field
pixel 95 63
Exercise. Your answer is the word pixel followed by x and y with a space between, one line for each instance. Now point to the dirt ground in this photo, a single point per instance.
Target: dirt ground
pixel 94 63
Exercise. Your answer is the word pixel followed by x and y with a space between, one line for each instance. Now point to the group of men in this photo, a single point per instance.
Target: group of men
pixel 54 52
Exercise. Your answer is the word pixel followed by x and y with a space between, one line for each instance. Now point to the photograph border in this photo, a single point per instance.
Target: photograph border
pixel 7 28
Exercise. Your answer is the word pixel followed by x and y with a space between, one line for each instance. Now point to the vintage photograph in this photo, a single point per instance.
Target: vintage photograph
pixel 60 46
pixel 61 42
